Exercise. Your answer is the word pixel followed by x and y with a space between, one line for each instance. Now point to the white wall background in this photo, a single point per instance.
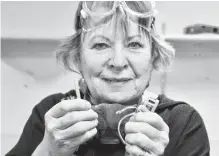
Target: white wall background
pixel 29 72
pixel 55 19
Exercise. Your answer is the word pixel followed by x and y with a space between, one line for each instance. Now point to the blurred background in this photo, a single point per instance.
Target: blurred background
pixel 30 32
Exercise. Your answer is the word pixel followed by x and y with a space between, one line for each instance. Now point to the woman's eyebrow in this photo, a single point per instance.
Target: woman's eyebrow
pixel 133 36
pixel 101 37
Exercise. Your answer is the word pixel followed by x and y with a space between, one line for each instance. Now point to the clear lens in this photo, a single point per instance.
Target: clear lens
pixel 142 22
pixel 102 12
pixel 104 7
pixel 92 23
pixel 99 7
pixel 142 7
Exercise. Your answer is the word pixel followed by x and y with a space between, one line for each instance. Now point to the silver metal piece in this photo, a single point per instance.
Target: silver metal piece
pixel 150 101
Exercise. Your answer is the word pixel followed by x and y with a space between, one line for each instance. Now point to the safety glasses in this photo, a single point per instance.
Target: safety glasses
pixel 129 6
pixel 102 11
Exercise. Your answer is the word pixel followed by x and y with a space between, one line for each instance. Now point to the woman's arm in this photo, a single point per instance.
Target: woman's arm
pixel 31 136
pixel 33 131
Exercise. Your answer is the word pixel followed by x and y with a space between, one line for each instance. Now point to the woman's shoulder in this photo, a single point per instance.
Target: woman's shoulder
pixel 180 117
pixel 174 106
pixel 187 128
pixel 177 113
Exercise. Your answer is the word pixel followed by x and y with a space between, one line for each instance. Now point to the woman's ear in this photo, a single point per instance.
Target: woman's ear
pixel 83 86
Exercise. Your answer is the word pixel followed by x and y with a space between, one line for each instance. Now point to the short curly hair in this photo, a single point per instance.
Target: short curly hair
pixel 68 53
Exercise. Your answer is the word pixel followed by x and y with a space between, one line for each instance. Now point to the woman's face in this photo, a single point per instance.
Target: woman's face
pixel 116 67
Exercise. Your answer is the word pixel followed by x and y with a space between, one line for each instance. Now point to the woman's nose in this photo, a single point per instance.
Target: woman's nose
pixel 118 60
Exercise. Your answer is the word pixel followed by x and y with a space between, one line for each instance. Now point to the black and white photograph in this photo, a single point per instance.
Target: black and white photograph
pixel 109 78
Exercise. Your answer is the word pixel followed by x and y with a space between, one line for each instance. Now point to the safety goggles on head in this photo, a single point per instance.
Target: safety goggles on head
pixel 100 12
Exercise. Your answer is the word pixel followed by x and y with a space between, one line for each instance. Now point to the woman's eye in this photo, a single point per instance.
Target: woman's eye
pixel 135 45
pixel 100 46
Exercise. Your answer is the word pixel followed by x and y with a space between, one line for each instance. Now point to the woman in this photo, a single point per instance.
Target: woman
pixel 115 49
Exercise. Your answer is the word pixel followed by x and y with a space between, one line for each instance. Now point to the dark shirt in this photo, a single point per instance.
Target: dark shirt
pixel 188 135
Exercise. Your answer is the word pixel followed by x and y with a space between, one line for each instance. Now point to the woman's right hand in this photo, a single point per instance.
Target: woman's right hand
pixel 69 124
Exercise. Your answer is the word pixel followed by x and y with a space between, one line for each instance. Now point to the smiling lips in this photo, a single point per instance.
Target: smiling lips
pixel 117 80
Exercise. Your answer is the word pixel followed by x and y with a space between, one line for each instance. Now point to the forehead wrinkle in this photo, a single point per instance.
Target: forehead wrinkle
pixel 95 5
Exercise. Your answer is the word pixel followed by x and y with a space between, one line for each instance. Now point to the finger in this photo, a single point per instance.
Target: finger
pixel 77 129
pixel 65 106
pixel 144 142
pixel 135 151
pixel 82 138
pixel 76 116
pixel 142 127
pixel 151 118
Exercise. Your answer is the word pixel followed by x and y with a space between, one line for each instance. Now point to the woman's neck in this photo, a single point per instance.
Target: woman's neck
pixel 126 103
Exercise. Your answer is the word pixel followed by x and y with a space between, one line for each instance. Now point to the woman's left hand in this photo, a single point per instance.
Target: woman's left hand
pixel 146 134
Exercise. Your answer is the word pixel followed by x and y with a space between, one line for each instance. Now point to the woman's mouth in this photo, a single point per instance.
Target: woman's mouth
pixel 116 80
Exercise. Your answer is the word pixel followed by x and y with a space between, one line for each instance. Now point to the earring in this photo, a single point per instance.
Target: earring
pixel 83 14
pixel 83 86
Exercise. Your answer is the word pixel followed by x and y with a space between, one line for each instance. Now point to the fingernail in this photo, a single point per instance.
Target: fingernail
pixel 88 105
pixel 96 114
pixel 96 122
pixel 94 131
